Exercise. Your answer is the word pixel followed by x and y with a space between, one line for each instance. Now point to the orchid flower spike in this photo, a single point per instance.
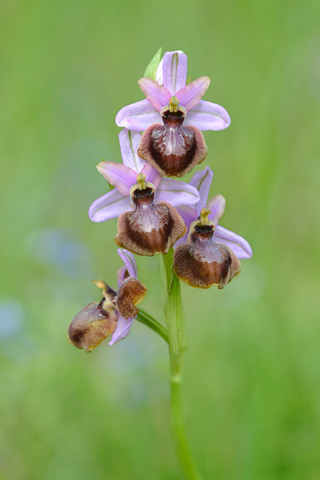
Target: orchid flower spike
pixel 115 312
pixel 143 200
pixel 208 254
pixel 172 116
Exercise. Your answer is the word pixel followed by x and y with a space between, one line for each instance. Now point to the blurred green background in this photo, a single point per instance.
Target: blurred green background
pixel 252 372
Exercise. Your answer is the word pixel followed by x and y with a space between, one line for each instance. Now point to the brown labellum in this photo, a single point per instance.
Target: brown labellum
pixel 171 148
pixel 92 325
pixel 130 294
pixel 202 263
pixel 151 227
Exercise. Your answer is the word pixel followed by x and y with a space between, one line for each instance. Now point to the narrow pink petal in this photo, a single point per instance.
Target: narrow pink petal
pixel 208 116
pixel 176 193
pixel 238 245
pixel 138 116
pixel 129 143
pixel 118 175
pixel 174 71
pixel 188 215
pixel 110 205
pixel 120 275
pixel 190 95
pixel 129 261
pixel 202 181
pixel 122 329
pixel 217 206
pixel 153 176
pixel 157 96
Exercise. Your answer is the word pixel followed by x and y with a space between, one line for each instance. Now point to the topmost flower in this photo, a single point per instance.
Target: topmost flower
pixel 172 116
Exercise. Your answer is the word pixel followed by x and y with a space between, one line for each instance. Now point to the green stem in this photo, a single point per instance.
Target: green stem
pixel 152 323
pixel 177 346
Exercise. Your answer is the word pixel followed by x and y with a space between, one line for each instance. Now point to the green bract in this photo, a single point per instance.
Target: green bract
pixel 153 65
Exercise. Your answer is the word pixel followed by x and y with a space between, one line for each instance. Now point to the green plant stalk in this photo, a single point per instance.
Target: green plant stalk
pixel 152 323
pixel 177 346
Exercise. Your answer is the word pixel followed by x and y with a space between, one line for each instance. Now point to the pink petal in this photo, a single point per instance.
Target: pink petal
pixel 138 116
pixel 120 275
pixel 129 143
pixel 176 193
pixel 217 206
pixel 122 329
pixel 208 116
pixel 156 95
pixel 129 261
pixel 188 215
pixel 202 181
pixel 109 206
pixel 190 95
pixel 153 176
pixel 238 245
pixel 174 71
pixel 118 175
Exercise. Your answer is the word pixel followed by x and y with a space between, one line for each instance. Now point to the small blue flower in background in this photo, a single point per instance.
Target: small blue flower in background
pixel 52 246
pixel 12 317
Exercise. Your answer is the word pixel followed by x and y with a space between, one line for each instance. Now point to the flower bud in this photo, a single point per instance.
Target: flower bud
pixel 201 262
pixel 151 227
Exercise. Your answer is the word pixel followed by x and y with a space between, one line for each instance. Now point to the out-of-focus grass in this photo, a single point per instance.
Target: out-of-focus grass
pixel 252 373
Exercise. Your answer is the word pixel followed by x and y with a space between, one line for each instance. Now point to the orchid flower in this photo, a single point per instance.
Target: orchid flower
pixel 202 181
pixel 172 116
pixel 124 177
pixel 210 254
pixel 114 314
pixel 202 262
pixel 143 200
